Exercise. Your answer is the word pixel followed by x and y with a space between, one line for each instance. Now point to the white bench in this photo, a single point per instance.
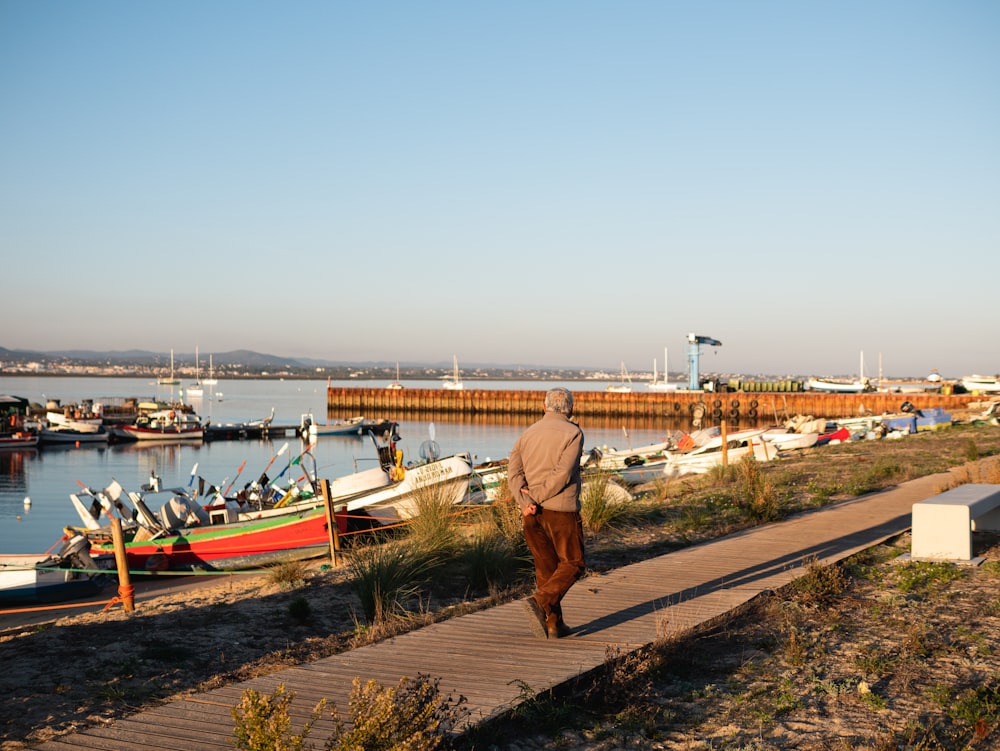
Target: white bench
pixel 943 525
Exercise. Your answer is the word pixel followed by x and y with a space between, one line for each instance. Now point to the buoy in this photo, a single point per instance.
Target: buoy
pixel 27 501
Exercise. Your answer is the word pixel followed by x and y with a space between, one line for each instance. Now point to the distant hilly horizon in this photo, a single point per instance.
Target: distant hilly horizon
pixel 244 357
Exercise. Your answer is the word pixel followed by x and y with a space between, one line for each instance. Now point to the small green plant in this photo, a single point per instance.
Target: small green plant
pixel 603 503
pixel 821 583
pixel 300 610
pixel 433 526
pixel 509 521
pixel 869 697
pixel 263 723
pixel 757 498
pixel 871 661
pixel 288 574
pixel 971 450
pixel 977 705
pixel 878 475
pixel 921 577
pixel 490 561
pixel 385 576
pixel 413 716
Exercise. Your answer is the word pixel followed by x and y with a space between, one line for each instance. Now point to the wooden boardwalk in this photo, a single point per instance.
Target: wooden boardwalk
pixel 492 658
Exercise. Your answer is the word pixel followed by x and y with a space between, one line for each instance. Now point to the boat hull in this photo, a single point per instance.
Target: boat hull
pixel 170 433
pixel 26 579
pixel 71 436
pixel 18 440
pixel 230 546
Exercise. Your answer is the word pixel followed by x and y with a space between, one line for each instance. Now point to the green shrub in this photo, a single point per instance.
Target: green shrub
pixel 758 499
pixel 603 502
pixel 263 722
pixel 288 574
pixel 386 576
pixel 413 716
pixel 490 561
pixel 509 521
pixel 920 577
pixel 821 583
pixel 971 450
pixel 300 609
pixel 434 526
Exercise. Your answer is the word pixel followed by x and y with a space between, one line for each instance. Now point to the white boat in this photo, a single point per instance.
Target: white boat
pixel 611 460
pixel 701 459
pixel 50 578
pixel 449 476
pixel 170 380
pixel 162 425
pixel 211 380
pixel 455 384
pixel 625 386
pixel 842 386
pixel 665 384
pixel 786 441
pixel 490 475
pixel 397 384
pixel 58 420
pixel 70 435
pixel 981 384
pixel 196 390
pixel 838 386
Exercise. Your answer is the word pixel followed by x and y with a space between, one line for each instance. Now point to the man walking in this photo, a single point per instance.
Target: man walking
pixel 543 474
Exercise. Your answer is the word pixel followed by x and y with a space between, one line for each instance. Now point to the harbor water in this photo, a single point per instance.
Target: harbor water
pixel 35 484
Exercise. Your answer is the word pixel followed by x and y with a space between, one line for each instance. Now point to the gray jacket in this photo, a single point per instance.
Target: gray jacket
pixel 546 461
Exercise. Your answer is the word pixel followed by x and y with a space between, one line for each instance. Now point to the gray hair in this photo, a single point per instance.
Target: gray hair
pixel 559 400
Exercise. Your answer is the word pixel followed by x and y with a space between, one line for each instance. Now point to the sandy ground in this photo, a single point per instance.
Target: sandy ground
pixel 184 635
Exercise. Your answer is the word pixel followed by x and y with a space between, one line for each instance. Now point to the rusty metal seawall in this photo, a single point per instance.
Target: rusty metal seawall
pixel 401 403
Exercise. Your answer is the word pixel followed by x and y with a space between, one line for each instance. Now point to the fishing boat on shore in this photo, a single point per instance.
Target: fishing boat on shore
pixel 978 384
pixel 50 577
pixel 702 458
pixel 267 521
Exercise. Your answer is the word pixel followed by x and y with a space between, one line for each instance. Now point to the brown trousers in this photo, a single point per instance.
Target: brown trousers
pixel 555 539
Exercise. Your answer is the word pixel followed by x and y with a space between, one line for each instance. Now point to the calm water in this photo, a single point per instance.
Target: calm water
pixel 48 475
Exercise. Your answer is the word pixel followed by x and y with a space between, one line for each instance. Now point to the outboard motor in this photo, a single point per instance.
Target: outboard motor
pixel 75 553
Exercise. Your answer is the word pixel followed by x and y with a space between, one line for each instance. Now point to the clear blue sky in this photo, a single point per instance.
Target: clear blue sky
pixel 555 183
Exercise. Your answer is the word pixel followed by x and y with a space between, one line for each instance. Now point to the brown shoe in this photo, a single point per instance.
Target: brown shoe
pixel 556 627
pixel 537 616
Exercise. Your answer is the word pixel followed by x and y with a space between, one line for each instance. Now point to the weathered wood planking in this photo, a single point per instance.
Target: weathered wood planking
pixel 491 657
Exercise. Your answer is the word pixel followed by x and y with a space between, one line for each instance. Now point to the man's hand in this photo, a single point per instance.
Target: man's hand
pixel 532 508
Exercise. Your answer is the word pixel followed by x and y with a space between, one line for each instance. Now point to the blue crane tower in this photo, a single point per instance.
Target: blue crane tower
pixel 694 355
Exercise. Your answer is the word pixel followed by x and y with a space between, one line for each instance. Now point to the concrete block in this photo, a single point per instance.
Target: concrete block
pixel 942 526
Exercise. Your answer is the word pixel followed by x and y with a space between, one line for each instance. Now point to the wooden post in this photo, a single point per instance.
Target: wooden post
pixel 725 446
pixel 124 582
pixel 331 522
